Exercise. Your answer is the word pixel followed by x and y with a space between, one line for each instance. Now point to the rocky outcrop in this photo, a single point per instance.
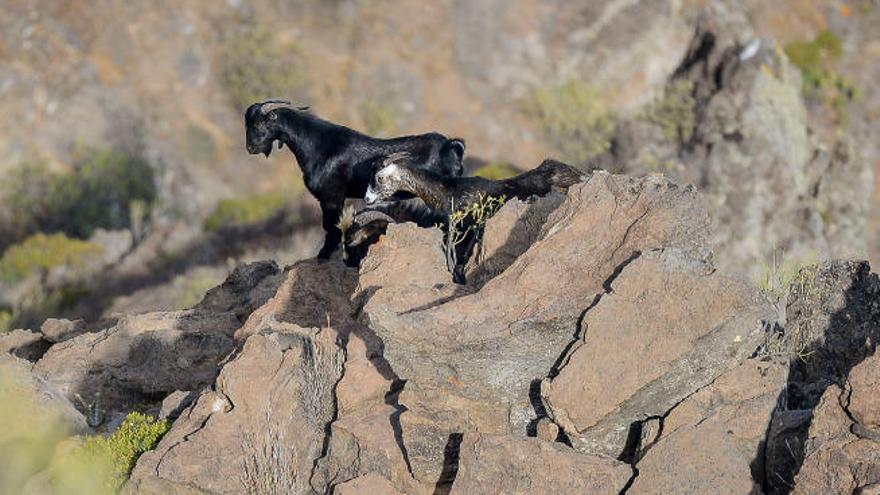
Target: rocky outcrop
pixel 596 349
pixel 667 327
pixel 144 357
pixel 263 424
pixel 734 123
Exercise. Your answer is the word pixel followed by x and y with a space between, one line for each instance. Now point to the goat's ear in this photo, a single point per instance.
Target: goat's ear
pixel 273 115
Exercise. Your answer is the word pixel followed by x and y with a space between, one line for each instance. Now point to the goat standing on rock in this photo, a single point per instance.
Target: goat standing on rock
pixel 337 162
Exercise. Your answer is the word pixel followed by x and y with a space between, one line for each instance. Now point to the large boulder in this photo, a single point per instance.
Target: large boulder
pixel 263 424
pixel 474 356
pixel 668 326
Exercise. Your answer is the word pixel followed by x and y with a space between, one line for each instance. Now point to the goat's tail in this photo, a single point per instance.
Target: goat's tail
pixel 453 147
pixel 543 178
pixel 560 175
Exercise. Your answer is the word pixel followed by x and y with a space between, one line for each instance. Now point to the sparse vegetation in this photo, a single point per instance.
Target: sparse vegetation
pixel 817 60
pixel 777 282
pixel 674 112
pixel 137 434
pixel 5 320
pixel 97 193
pixel 380 120
pixel 497 170
pixel 468 223
pixel 574 118
pixel 43 252
pixel 257 67
pixel 245 211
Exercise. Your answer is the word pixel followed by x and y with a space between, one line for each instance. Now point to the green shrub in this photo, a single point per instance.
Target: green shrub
pixel 674 113
pixel 245 211
pixel 42 252
pixel 817 60
pixel 137 434
pixel 497 170
pixel 5 320
pixel 574 118
pixel 97 193
pixel 255 67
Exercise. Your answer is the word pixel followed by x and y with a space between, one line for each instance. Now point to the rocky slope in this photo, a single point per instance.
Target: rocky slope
pixel 598 351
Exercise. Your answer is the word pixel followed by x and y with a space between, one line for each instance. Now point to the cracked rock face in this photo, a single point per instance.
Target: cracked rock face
pixel 487 346
pixel 668 326
pixel 263 424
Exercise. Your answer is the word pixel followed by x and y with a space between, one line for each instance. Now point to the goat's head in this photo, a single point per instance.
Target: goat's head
pixel 388 178
pixel 364 230
pixel 261 129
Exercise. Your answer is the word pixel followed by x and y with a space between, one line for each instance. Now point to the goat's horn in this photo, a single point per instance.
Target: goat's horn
pixel 272 105
pixel 366 216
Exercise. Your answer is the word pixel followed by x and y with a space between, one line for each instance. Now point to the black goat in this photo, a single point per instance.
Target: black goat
pixel 337 162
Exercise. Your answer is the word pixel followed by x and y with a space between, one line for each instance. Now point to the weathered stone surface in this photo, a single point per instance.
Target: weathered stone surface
pixel 488 346
pixel 491 464
pixel 144 357
pixel 141 357
pixel 247 288
pixel 836 460
pixel 59 329
pixel 743 134
pixel 667 327
pixel 24 344
pixel 263 425
pixel 371 483
pixel 313 293
pixel 720 430
pixel 864 382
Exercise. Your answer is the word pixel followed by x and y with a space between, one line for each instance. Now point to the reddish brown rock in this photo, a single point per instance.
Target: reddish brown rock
pixel 264 421
pixel 864 381
pixel 490 464
pixel 58 330
pixel 667 327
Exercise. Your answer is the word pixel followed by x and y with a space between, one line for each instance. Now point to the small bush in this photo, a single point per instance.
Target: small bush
pixel 244 211
pixel 255 67
pixel 674 113
pixel 817 60
pixel 137 434
pixel 574 118
pixel 42 252
pixel 5 320
pixel 97 193
pixel 497 171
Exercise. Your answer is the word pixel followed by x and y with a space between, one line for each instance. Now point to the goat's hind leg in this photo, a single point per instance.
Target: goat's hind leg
pixel 331 211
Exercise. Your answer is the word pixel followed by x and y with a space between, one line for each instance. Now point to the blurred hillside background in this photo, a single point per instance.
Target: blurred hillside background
pixel 126 186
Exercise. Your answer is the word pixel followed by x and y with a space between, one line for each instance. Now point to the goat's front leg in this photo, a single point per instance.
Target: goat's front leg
pixel 331 211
